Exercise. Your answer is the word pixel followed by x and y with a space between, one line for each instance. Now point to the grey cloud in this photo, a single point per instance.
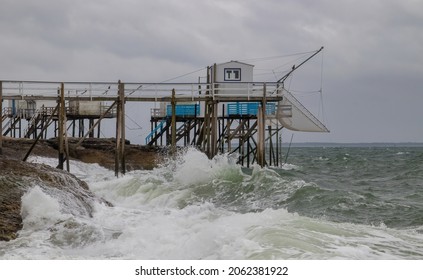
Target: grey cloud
pixel 372 60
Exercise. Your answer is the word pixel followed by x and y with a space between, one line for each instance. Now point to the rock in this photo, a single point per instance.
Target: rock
pixel 92 150
pixel 17 177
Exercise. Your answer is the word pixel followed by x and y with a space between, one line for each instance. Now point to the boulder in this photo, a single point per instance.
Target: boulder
pixel 17 177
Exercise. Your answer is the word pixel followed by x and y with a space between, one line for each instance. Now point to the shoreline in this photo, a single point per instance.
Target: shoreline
pixel 92 150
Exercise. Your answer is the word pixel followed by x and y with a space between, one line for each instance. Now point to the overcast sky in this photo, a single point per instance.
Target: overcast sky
pixel 372 61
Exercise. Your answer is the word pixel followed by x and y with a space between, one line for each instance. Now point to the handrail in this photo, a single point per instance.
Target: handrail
pixel 150 136
pixel 108 90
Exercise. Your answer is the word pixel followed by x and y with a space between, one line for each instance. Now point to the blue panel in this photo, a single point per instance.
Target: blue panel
pixel 249 108
pixel 184 110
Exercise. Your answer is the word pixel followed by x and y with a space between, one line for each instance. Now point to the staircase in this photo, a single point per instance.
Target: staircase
pixel 156 132
pixel 7 127
pixel 33 122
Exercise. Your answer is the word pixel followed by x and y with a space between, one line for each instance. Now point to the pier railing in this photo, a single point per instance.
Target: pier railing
pixel 107 91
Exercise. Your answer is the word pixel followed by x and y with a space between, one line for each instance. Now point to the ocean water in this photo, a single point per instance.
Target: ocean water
pixel 324 203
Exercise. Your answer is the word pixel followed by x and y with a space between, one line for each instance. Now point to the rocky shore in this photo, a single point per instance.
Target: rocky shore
pixel 16 176
pixel 101 151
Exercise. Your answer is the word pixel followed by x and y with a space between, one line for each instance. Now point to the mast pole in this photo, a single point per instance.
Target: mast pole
pixel 281 80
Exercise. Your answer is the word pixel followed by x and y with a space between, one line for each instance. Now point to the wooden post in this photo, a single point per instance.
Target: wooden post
pixel 152 128
pixel 99 128
pixel 270 145
pixel 73 128
pixel 206 127
pixel 120 131
pixel 214 110
pixel 80 128
pixel 241 142
pixel 173 124
pixel 123 128
pixel 277 144
pixel 66 150
pixel 62 125
pixel 90 125
pixel 222 134
pixel 260 137
pixel 1 117
pixel 248 145
pixel 261 120
pixel 213 150
pixel 197 105
pixel 228 135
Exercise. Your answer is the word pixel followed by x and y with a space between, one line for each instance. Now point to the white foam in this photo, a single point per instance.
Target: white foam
pixel 39 209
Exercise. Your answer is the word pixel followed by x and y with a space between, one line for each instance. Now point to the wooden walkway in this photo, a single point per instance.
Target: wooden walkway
pixel 212 132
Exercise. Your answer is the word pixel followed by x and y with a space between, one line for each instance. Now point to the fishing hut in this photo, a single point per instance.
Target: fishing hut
pixel 236 115
pixel 27 118
pixel 229 113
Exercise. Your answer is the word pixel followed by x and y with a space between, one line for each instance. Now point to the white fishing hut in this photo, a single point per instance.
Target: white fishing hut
pixel 231 78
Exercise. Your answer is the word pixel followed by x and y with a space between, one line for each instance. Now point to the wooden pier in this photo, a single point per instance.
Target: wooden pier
pixel 56 108
pixel 228 114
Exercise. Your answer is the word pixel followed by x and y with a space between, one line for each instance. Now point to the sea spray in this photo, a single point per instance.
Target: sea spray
pixel 39 210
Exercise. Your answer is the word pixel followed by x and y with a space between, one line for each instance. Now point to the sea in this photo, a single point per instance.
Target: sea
pixel 330 202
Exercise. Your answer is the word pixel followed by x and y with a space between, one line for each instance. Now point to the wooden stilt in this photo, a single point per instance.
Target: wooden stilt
pixel 80 127
pixel 91 124
pixel 99 127
pixel 120 164
pixel 241 142
pixel 261 119
pixel 206 127
pixel 66 148
pixel 73 127
pixel 277 143
pixel 173 124
pixel 222 133
pixel 213 143
pixel 269 128
pixel 118 133
pixel 248 146
pixel 228 135
pixel 122 127
pixel 62 112
pixel 1 117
